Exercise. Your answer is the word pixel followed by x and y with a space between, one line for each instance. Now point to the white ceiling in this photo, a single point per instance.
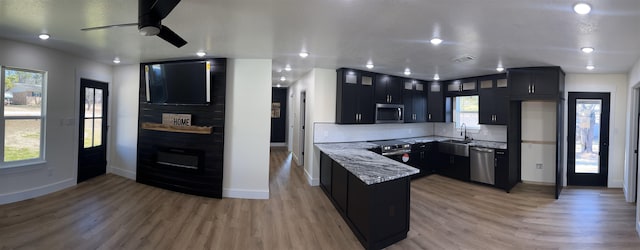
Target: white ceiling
pixel 393 34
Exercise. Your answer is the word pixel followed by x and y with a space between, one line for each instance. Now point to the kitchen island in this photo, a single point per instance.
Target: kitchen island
pixel 371 192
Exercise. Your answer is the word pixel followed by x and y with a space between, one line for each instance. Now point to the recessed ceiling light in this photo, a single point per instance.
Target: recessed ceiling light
pixel 44 36
pixel 500 69
pixel 369 65
pixel 116 60
pixel 278 86
pixel 436 77
pixel 582 8
pixel 282 79
pixel 590 67
pixel 287 68
pixel 304 54
pixel 201 53
pixel 436 41
pixel 587 49
pixel 407 71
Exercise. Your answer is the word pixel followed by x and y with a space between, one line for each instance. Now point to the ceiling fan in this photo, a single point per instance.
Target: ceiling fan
pixel 150 15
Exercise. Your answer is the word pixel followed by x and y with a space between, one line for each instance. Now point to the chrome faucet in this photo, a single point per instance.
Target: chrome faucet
pixel 465 130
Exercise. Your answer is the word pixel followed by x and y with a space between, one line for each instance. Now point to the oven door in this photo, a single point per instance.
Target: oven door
pixel 389 113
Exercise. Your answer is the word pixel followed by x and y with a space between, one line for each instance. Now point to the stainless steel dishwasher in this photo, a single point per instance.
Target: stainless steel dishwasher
pixel 482 165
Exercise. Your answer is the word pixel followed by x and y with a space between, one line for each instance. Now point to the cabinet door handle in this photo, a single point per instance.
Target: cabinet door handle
pixel 529 88
pixel 429 116
pixel 390 98
pixel 533 89
pixel 495 162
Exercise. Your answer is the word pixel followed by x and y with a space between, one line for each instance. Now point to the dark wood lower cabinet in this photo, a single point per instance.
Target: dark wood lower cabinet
pixel 454 166
pixel 339 186
pixel 378 214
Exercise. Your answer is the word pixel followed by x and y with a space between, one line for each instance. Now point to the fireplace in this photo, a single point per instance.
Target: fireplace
pixel 180 159
pixel 186 159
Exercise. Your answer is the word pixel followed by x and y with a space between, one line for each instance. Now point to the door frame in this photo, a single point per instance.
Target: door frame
pixel 302 124
pixel 105 114
pixel 92 76
pixel 600 179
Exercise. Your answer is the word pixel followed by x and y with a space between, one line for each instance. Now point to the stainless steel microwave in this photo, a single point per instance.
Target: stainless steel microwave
pixel 389 113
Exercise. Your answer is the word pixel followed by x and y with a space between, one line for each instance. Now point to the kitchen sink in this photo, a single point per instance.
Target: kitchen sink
pixel 454 147
pixel 458 141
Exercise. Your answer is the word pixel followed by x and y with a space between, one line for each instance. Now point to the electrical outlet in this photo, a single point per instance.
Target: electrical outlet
pixel 539 165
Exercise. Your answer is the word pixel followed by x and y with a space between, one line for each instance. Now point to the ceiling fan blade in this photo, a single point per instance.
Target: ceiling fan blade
pixel 162 8
pixel 110 26
pixel 171 37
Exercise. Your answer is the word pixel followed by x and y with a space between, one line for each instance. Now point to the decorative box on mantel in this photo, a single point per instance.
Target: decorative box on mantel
pixel 181 145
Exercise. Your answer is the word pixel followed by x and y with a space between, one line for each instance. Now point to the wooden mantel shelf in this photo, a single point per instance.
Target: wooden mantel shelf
pixel 177 129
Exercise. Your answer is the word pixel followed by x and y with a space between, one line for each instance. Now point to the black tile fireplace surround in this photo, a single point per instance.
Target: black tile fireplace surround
pixel 180 161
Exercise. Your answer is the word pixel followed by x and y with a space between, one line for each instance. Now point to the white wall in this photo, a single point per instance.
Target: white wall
pixel 320 88
pixel 247 128
pixel 124 129
pixel 632 135
pixel 539 142
pixel 616 84
pixel 63 80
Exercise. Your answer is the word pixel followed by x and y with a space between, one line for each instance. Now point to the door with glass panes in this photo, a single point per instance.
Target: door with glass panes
pixel 588 148
pixel 92 154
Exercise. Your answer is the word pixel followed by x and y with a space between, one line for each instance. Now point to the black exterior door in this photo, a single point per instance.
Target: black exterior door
pixel 92 152
pixel 588 145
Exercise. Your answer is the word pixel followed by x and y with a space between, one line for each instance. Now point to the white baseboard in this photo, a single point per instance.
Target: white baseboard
pixel 615 184
pixel 36 192
pixel 245 194
pixel 123 172
pixel 312 181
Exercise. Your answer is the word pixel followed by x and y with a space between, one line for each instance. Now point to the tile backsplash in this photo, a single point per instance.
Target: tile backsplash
pixel 331 132
pixel 496 133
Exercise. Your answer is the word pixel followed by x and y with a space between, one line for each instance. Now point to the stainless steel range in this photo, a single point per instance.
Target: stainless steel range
pixel 392 147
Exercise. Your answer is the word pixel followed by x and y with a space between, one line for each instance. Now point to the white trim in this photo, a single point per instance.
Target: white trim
pixel 615 184
pixel 36 191
pixel 123 172
pixel 638 227
pixel 295 158
pixel 278 144
pixel 312 181
pixel 245 194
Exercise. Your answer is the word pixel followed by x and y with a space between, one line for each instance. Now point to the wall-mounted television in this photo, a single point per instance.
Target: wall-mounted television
pixel 184 82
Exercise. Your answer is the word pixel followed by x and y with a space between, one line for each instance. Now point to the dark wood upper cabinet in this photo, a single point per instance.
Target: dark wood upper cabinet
pixel 435 102
pixel 388 89
pixel 536 83
pixel 414 96
pixel 462 87
pixel 354 97
pixel 493 91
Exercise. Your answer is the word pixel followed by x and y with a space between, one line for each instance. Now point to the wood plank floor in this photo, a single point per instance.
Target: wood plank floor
pixel 111 212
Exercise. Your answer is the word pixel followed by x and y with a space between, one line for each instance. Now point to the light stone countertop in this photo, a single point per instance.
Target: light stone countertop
pixel 372 168
pixel 369 167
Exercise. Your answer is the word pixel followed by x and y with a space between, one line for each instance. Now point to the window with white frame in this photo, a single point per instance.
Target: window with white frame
pixel 23 116
pixel 465 110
